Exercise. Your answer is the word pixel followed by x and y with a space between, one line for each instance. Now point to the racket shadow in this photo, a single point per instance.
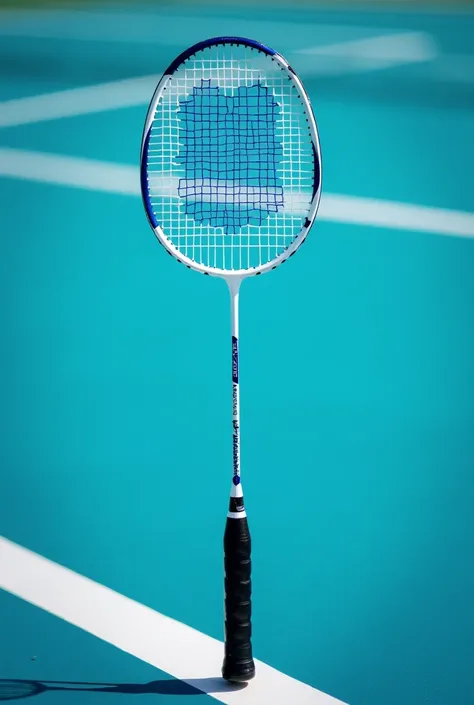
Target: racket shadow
pixel 17 689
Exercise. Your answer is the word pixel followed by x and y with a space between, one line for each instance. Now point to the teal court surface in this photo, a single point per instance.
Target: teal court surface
pixel 357 376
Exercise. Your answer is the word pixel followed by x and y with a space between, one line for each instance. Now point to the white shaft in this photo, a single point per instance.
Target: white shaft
pixel 234 312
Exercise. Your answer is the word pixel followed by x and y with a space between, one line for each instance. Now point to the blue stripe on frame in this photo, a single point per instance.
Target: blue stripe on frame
pixel 317 169
pixel 144 182
pixel 214 42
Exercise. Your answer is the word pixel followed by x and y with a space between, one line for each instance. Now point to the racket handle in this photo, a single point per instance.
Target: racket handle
pixel 238 663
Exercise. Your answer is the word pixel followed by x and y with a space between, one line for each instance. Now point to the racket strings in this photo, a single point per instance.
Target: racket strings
pixel 230 162
pixel 230 155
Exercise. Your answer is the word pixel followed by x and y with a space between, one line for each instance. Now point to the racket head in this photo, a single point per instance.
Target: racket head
pixel 230 159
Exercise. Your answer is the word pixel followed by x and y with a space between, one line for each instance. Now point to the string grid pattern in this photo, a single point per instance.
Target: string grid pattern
pixel 230 156
pixel 230 164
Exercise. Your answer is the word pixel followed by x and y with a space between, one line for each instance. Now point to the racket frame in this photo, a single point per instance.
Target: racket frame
pixel 237 274
pixel 238 663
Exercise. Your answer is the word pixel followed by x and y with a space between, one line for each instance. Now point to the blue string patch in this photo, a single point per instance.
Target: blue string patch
pixel 230 155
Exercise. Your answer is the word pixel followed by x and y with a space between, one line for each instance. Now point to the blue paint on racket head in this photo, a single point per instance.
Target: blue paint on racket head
pixel 252 43
pixel 144 185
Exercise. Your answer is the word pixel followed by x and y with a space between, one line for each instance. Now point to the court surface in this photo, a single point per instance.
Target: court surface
pixel 356 366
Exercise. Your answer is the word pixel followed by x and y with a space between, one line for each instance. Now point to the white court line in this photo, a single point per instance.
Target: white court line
pixel 69 171
pixel 78 101
pixel 163 29
pixel 355 210
pixel 342 57
pixel 372 53
pixel 165 643
pixel 123 179
pixel 349 48
pixel 365 49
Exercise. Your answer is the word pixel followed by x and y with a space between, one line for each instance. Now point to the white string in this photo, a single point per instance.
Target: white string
pixel 230 68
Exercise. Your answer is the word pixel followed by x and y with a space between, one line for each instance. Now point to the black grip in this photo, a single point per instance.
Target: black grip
pixel 238 663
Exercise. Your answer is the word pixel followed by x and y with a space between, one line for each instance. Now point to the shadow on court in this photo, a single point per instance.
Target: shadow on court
pixel 16 689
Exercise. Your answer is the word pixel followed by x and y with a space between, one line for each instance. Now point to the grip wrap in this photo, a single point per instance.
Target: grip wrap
pixel 238 662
